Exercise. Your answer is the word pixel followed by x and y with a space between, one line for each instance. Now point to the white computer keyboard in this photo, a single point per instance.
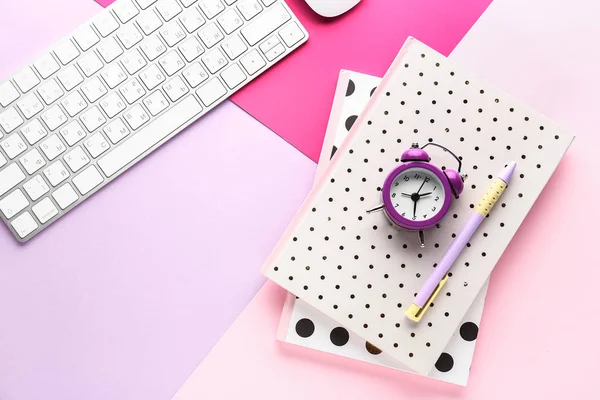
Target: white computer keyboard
pixel 120 86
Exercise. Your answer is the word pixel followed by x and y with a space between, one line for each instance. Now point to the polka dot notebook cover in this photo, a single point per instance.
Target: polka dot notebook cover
pixel 305 326
pixel 361 272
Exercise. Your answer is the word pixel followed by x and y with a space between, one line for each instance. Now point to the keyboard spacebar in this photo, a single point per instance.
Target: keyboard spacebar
pixel 147 137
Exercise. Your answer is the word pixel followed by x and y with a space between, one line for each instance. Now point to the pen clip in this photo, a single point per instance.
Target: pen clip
pixel 416 316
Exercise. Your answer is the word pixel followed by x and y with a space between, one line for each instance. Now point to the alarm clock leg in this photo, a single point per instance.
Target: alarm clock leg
pixel 374 209
pixel 422 238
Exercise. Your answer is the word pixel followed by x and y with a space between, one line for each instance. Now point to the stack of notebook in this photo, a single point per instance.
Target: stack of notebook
pixel 351 275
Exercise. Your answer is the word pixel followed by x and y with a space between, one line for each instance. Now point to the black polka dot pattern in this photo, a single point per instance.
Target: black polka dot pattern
pixel 305 328
pixel 469 331
pixel 444 363
pixel 350 121
pixel 372 349
pixel 339 336
pixel 351 88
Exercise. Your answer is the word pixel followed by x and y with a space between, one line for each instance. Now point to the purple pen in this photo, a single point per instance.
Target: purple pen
pixel 439 277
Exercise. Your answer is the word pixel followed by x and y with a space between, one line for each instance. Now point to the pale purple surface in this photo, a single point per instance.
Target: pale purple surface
pixel 123 297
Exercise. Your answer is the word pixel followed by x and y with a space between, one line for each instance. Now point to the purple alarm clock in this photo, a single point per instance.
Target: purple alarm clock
pixel 416 195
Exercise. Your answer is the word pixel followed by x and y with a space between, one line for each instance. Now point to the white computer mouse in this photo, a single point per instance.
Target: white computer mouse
pixel 331 8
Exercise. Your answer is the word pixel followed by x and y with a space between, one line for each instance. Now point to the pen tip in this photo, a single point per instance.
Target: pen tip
pixel 507 172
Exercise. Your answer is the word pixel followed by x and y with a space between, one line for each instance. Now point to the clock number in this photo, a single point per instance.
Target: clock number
pixel 393 195
pixel 434 188
pixel 434 208
pixel 414 217
pixel 397 183
pixel 406 178
pixel 427 179
pixel 417 176
pixel 437 198
pixel 424 215
pixel 396 205
pixel 404 214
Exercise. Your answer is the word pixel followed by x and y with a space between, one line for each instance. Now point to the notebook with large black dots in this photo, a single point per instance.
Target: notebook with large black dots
pixel 486 128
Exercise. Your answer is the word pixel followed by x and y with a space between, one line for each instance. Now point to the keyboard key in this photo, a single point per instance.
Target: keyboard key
pixel 212 91
pixel 195 75
pixel 50 92
pixel 155 103
pixel 125 10
pixel 30 105
pixel 129 36
pixel 32 161
pixel 175 89
pixel 211 8
pixel 10 120
pixel 191 49
pixel 34 132
pixel 265 24
pixel 132 91
pixel 168 9
pixel 291 34
pixel 171 63
pixel 113 75
pixel 24 224
pixel 65 195
pixel 143 4
pixel 133 62
pixel 109 49
pixel 214 61
pixel 252 62
pixel 10 177
pixel 3 160
pixel 72 133
pixel 96 145
pixel 149 22
pixel 13 145
pixel 74 104
pixel 153 47
pixel 106 24
pixel 93 89
pixel 69 77
pixel 46 66
pixel 269 44
pixel 87 180
pixel 90 64
pixel 230 21
pixel 86 38
pixel 112 104
pixel 76 159
pixel 8 93
pixel 45 210
pixel 52 147
pixel 234 47
pixel 116 131
pixel 14 203
pixel 275 52
pixel 159 129
pixel 230 2
pixel 233 76
pixel 136 116
pixel 267 3
pixel 93 119
pixel 36 187
pixel 187 3
pixel 192 20
pixel 56 173
pixel 26 79
pixel 210 35
pixel 249 9
pixel 172 33
pixel 66 51
pixel 54 117
pixel 152 77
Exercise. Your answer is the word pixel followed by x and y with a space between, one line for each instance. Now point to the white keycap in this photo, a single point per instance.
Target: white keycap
pixel 136 116
pixel 249 8
pixel 267 3
pixel 109 49
pixel 132 91
pixel 3 160
pixel 133 61
pixel 69 77
pixel 233 76
pixel 275 52
pixel 46 66
pixel 66 51
pixel 252 62
pixel 212 91
pixel 90 64
pixel 171 63
pixel 13 145
pixel 93 89
pixel 45 210
pixel 112 104
pixel 152 77
pixel 129 36
pixel 14 203
pixel 195 75
pixel 86 38
pixel 214 61
pixel 153 47
pixel 172 33
pixel 210 35
pixel 96 144
pixel 54 117
pixel 8 93
pixel 175 89
pixel 229 2
pixel 113 75
pixel 269 43
pixel 168 9
pixel 10 120
pixel 291 34
pixel 191 49
pixel 32 161
pixel 50 91
pixel 65 195
pixel 52 147
pixel 234 47
pixel 34 131
pixel 56 173
pixel 93 119
pixel 30 105
pixel 192 20
pixel 10 177
pixel 211 8
pixel 266 23
pixel 72 133
pixel 187 3
pixel 36 187
pixel 26 79
pixel 230 21
pixel 76 159
pixel 125 10
pixel 149 22
pixel 74 104
pixel 159 129
pixel 106 24
pixel 24 224
pixel 143 4
pixel 116 131
pixel 87 180
pixel 155 103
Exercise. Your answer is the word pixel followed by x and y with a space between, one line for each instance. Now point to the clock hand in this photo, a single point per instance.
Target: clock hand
pixel 424 194
pixel 419 191
pixel 406 194
pixel 415 209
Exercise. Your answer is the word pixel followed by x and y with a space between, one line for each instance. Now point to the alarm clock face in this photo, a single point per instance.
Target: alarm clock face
pixel 417 194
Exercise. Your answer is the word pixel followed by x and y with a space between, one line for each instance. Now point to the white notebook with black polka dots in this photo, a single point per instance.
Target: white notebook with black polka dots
pixel 423 97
